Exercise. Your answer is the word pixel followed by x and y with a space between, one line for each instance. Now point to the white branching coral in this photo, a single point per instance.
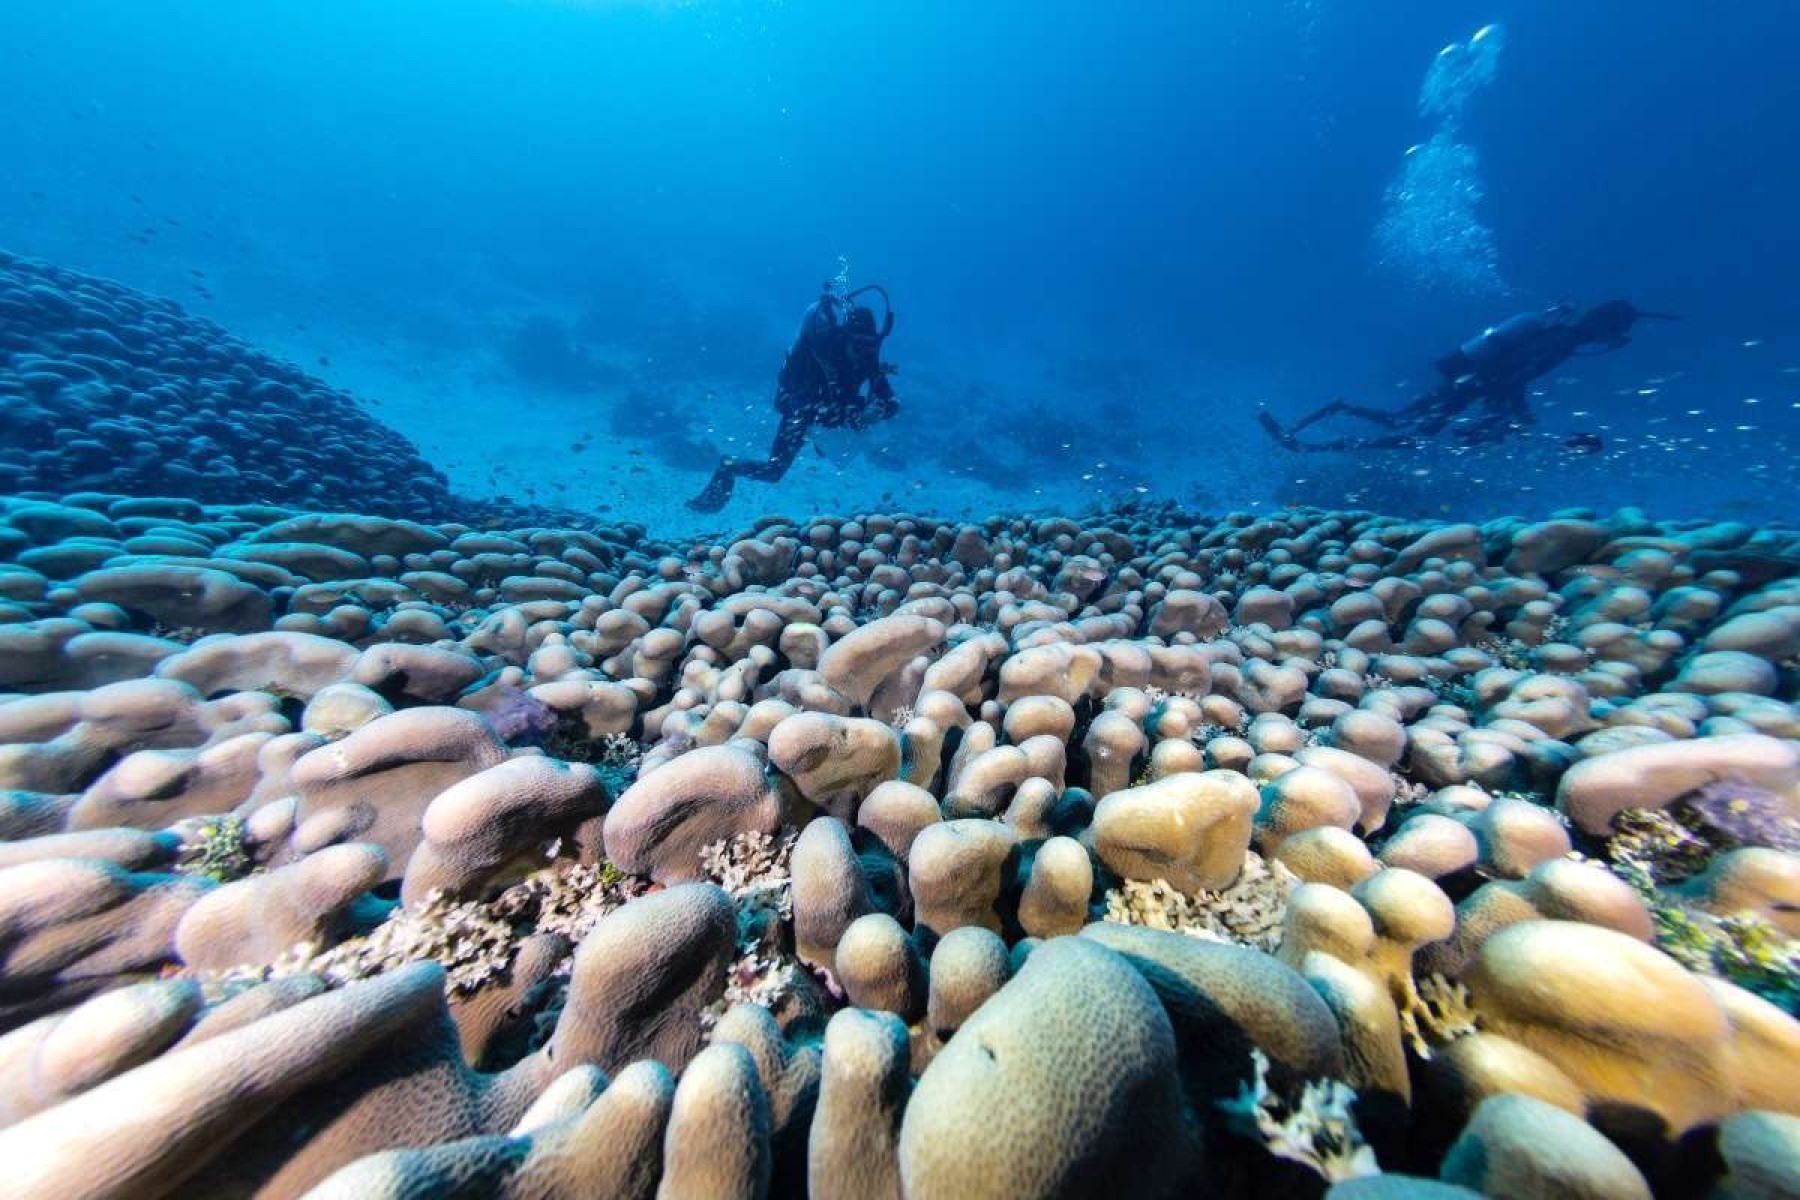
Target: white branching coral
pixel 1317 1129
pixel 757 976
pixel 570 899
pixel 475 940
pixel 1249 912
pixel 619 750
pixel 1207 731
pixel 473 944
pixel 751 863
pixel 1408 792
pixel 618 757
pixel 753 868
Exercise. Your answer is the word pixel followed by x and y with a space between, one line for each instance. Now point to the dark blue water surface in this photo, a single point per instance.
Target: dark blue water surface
pixel 1113 232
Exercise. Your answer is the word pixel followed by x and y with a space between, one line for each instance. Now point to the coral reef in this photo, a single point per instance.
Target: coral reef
pixel 114 389
pixel 1143 854
pixel 1653 849
pixel 108 388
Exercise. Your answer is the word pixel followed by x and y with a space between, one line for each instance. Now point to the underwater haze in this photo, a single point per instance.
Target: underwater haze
pixel 947 600
pixel 1112 236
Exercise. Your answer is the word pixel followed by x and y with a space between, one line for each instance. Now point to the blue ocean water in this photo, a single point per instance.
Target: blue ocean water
pixel 1113 235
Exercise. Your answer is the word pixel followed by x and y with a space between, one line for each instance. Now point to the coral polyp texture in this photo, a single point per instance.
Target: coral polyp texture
pixel 1140 855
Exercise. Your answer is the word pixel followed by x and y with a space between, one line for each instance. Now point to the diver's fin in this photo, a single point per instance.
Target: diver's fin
pixel 716 492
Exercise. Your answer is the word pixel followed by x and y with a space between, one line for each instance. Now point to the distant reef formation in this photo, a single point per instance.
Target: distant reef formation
pixel 106 388
pixel 1143 855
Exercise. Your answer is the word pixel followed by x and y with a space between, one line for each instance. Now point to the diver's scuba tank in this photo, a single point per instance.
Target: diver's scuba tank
pixel 1495 343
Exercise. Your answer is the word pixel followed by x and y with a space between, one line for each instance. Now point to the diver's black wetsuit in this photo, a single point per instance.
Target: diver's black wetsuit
pixel 1485 380
pixel 837 353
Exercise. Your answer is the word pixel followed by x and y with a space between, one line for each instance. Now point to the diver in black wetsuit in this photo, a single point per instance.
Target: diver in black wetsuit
pixel 836 355
pixel 1482 397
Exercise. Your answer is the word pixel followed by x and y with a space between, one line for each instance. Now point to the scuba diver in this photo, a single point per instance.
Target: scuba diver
pixel 1481 398
pixel 822 382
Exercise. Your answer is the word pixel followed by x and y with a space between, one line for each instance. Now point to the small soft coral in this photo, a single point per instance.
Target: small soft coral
pixel 616 756
pixel 1249 912
pixel 1729 814
pixel 474 946
pixel 1654 849
pixel 1316 1129
pixel 751 863
pixel 1742 949
pixel 475 941
pixel 1436 1011
pixel 570 898
pixel 1652 843
pixel 215 849
pixel 753 870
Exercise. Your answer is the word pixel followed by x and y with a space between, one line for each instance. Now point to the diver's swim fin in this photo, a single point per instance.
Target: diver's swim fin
pixel 1274 430
pixel 716 492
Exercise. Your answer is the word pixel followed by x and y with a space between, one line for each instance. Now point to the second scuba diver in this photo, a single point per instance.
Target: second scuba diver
pixel 1481 398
